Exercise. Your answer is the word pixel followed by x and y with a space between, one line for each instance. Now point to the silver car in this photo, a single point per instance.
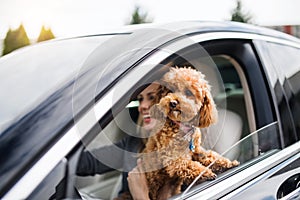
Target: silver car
pixel 65 96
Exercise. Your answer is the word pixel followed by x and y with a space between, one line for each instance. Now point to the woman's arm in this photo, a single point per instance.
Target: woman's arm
pixel 138 186
pixel 137 183
pixel 101 160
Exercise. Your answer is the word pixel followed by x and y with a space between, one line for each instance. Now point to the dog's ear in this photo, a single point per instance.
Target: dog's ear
pixel 208 111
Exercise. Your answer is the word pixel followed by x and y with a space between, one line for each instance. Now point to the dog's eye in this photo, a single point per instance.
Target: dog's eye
pixel 188 93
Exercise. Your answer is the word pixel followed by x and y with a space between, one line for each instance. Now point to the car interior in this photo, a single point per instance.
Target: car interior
pixel 229 88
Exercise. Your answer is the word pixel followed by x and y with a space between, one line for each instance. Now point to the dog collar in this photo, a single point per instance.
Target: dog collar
pixel 189 137
pixel 188 134
pixel 189 131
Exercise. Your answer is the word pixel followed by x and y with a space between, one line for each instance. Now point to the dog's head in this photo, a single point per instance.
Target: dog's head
pixel 188 98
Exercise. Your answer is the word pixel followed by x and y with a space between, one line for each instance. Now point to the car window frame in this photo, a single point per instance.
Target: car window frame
pixel 254 59
pixel 122 105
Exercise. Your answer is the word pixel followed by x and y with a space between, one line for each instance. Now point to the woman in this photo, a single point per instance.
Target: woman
pixel 133 185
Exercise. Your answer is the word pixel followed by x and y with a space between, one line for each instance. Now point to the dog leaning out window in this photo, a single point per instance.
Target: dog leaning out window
pixel 173 153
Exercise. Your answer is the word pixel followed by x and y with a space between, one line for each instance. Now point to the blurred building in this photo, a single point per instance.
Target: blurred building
pixel 289 29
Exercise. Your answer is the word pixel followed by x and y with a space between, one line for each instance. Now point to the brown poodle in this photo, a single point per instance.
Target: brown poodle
pixel 173 154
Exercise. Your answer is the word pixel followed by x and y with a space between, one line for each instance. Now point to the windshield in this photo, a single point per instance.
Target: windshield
pixel 32 73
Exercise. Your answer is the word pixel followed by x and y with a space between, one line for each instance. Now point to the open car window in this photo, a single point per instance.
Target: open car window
pixel 235 135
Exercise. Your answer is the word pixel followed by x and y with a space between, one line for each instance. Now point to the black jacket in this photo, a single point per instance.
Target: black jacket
pixel 121 156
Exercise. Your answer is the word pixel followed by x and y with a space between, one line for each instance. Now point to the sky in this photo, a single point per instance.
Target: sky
pixel 68 18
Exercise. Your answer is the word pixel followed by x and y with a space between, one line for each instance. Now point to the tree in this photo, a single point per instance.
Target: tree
pixel 45 34
pixel 238 15
pixel 15 39
pixel 138 18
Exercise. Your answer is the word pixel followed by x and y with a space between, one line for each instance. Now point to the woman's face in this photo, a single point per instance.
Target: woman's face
pixel 146 99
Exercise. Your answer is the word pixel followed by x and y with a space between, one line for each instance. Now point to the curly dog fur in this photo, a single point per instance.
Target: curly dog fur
pixel 173 152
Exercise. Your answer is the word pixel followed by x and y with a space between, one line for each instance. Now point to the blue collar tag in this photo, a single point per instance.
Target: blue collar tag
pixel 191 145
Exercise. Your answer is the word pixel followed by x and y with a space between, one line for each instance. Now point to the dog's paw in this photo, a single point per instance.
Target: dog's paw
pixel 208 175
pixel 226 164
pixel 235 163
pixel 231 164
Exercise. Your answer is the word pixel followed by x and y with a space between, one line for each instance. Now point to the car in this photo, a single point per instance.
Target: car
pixel 67 95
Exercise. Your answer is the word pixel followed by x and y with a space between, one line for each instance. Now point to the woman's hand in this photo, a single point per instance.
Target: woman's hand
pixel 137 183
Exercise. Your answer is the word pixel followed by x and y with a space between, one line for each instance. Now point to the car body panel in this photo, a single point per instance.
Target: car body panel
pixel 267 185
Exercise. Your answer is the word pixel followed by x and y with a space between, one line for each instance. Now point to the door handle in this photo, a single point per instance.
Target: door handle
pixel 293 195
pixel 290 188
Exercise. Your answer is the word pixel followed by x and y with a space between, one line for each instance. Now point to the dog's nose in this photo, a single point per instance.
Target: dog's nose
pixel 173 104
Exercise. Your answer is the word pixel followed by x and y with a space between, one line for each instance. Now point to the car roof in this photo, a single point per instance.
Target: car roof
pixel 193 27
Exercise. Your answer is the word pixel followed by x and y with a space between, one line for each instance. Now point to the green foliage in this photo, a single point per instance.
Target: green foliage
pixel 45 34
pixel 238 15
pixel 138 18
pixel 15 39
